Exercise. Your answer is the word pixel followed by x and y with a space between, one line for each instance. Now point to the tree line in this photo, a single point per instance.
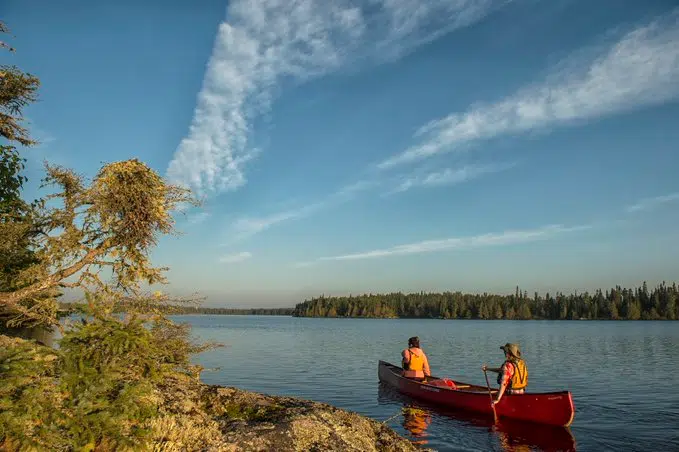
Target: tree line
pixel 68 308
pixel 640 303
pixel 231 311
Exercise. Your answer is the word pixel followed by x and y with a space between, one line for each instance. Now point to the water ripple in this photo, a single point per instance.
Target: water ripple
pixel 623 375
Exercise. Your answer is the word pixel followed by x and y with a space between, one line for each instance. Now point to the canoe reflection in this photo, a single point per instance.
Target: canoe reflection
pixel 512 435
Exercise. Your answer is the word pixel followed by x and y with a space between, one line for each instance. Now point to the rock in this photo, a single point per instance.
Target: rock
pixel 229 419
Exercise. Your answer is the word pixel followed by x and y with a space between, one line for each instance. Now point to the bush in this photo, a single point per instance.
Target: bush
pixel 31 405
pixel 99 390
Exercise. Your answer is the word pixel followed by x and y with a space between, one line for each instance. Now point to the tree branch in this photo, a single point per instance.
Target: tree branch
pixel 12 298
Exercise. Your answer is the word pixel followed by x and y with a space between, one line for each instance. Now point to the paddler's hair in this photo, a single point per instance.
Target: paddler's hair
pixel 414 342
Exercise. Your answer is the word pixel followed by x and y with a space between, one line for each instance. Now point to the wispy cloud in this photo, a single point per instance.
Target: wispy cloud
pixel 641 69
pixel 430 246
pixel 198 218
pixel 235 258
pixel 650 203
pixel 450 176
pixel 246 227
pixel 263 42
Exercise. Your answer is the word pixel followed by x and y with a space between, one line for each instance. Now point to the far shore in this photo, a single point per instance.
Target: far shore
pixel 616 303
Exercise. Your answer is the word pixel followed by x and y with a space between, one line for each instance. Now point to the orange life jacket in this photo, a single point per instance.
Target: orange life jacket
pixel 414 368
pixel 520 376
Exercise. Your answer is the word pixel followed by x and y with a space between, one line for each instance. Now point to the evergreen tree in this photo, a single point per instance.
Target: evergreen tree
pixel 524 311
pixel 17 223
pixel 99 389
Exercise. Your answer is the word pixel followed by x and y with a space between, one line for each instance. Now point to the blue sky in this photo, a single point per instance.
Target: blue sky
pixel 348 147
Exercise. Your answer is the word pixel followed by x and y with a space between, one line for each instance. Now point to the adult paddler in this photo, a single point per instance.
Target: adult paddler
pixel 414 361
pixel 513 374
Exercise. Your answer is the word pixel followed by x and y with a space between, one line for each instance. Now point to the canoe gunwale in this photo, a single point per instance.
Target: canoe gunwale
pixel 472 389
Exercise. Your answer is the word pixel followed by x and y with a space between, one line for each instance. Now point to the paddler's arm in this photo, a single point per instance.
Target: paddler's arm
pixel 492 369
pixel 504 382
pixel 404 360
pixel 503 386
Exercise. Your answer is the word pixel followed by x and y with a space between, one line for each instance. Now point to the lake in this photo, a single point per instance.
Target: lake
pixel 624 376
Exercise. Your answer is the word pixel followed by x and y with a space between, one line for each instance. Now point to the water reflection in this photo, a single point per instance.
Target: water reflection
pixel 416 420
pixel 510 435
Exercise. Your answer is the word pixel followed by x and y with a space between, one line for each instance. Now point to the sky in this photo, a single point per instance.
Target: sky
pixel 345 146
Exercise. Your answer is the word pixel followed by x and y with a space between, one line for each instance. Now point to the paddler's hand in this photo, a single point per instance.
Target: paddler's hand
pixel 484 368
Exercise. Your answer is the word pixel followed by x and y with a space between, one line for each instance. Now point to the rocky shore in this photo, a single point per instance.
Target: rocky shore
pixel 193 416
pixel 196 416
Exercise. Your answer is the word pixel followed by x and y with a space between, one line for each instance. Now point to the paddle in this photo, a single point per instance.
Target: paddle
pixel 492 405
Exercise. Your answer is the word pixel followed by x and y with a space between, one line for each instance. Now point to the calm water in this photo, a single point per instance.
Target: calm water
pixel 624 375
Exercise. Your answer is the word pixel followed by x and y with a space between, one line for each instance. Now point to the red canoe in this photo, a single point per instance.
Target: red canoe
pixel 552 408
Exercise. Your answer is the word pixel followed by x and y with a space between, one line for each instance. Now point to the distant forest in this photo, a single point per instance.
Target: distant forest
pixel 178 310
pixel 231 311
pixel 661 303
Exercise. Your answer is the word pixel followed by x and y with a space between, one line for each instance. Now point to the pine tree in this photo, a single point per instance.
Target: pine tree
pixel 17 223
pixel 96 391
pixel 524 310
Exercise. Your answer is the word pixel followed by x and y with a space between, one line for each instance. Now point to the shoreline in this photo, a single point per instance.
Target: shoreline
pixel 224 418
pixel 193 415
pixel 427 318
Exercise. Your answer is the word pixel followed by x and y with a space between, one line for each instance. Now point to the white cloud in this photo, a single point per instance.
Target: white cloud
pixel 264 42
pixel 429 246
pixel 649 203
pixel 352 189
pixel 198 218
pixel 235 258
pixel 450 176
pixel 246 227
pixel 642 69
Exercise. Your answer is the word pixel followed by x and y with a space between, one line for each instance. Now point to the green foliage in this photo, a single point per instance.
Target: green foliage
pixel 108 378
pixel 618 303
pixel 249 413
pixel 17 90
pixel 17 227
pixel 11 180
pixel 100 389
pixel 31 410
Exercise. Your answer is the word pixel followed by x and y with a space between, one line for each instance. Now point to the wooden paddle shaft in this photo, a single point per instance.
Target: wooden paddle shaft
pixel 490 395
